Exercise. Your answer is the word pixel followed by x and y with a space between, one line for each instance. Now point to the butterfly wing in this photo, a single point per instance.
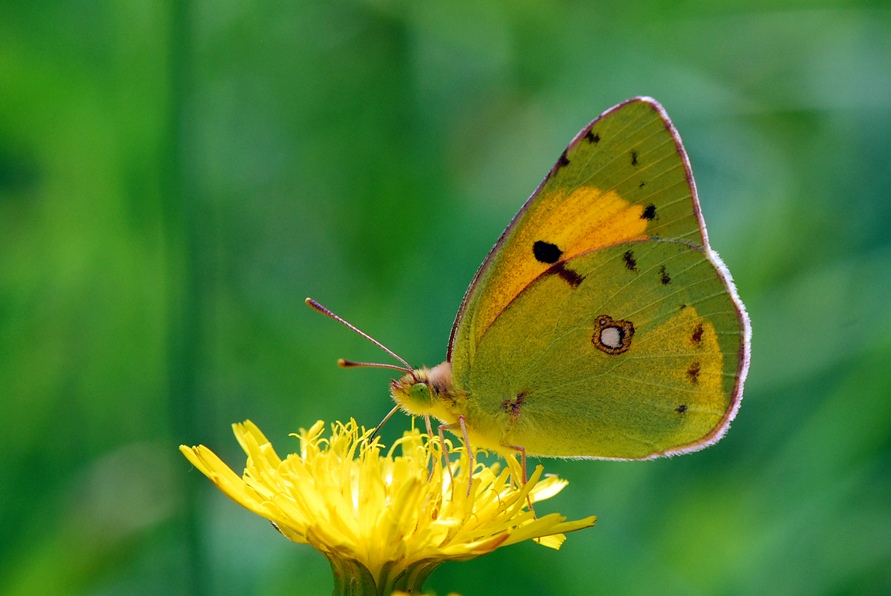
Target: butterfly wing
pixel 624 178
pixel 629 351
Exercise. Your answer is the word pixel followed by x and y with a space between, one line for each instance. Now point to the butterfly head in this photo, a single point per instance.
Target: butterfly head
pixel 421 391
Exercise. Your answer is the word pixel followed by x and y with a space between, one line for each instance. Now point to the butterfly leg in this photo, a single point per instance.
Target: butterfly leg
pixel 467 446
pixel 522 452
pixel 469 454
pixel 445 452
pixel 429 426
pixel 429 438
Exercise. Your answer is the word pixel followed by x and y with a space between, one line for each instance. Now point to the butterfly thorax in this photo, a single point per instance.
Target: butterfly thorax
pixel 427 392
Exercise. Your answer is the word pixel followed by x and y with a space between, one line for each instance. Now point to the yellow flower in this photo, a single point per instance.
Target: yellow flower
pixel 384 521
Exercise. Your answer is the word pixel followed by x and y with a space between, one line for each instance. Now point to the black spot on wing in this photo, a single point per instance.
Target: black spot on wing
pixel 634 161
pixel 663 276
pixel 630 261
pixel 693 372
pixel 681 409
pixel 649 212
pixel 696 338
pixel 545 252
pixel 566 274
pixel 512 406
pixel 642 184
pixel 592 137
pixel 563 161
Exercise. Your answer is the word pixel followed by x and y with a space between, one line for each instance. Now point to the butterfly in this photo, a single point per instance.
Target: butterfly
pixel 601 324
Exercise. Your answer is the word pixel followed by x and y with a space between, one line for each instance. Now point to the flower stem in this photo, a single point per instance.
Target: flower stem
pixel 412 580
pixel 352 578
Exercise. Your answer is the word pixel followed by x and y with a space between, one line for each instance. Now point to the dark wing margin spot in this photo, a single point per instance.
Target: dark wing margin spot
pixel 649 212
pixel 563 161
pixel 663 276
pixel 630 261
pixel 545 252
pixel 592 137
pixel 634 161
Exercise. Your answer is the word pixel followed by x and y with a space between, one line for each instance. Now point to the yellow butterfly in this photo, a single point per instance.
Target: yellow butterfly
pixel 601 324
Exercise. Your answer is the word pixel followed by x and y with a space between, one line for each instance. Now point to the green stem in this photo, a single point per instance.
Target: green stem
pixel 352 578
pixel 412 580
pixel 183 299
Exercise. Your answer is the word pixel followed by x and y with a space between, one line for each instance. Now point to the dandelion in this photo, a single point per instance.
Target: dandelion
pixel 385 521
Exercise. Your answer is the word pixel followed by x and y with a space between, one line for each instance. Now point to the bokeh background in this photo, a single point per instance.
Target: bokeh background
pixel 175 178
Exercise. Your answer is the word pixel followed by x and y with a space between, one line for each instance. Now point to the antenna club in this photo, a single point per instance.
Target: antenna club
pixel 316 306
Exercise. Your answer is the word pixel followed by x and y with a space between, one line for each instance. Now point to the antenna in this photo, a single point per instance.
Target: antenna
pixel 350 364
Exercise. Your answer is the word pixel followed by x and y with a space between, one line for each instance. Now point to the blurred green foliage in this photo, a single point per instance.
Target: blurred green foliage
pixel 176 177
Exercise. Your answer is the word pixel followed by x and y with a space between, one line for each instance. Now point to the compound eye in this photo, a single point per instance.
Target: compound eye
pixel 420 394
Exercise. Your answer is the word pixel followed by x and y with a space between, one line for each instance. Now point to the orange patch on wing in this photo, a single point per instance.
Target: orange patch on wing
pixel 696 371
pixel 585 219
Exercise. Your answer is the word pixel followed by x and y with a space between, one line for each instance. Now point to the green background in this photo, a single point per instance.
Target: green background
pixel 176 177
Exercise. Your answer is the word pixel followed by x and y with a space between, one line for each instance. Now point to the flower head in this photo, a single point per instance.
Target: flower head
pixel 385 518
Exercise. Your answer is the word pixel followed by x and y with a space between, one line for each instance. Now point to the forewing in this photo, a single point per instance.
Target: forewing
pixel 624 177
